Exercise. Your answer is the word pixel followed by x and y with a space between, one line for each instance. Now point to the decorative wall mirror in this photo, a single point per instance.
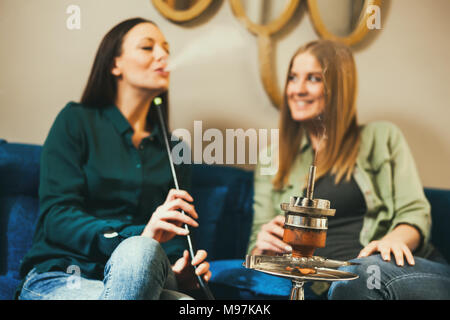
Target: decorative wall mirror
pixel 263 12
pixel 181 10
pixel 258 20
pixel 269 22
pixel 343 20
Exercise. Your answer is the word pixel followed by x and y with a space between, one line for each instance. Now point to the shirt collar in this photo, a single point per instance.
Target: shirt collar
pixel 117 119
pixel 122 125
pixel 305 144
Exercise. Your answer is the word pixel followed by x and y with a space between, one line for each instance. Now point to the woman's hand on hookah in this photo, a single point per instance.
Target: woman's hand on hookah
pixel 269 239
pixel 166 222
pixel 184 271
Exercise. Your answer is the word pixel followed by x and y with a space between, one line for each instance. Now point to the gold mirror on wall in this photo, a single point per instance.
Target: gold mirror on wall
pixel 181 10
pixel 341 17
pixel 276 23
pixel 263 26
pixel 343 20
pixel 263 11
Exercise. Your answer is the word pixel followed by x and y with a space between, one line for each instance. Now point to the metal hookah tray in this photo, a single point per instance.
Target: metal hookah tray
pixel 300 269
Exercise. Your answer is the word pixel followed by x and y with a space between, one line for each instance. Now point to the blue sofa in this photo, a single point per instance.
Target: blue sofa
pixel 223 198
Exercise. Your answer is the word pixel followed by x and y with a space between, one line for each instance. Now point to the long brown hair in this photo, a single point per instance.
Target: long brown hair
pixel 339 117
pixel 101 87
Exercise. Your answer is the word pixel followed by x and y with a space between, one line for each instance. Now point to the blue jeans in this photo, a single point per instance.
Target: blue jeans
pixel 383 280
pixel 138 269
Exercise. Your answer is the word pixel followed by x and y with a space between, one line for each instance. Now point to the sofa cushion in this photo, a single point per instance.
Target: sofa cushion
pixel 440 215
pixel 19 172
pixel 234 225
pixel 19 169
pixel 209 204
pixel 18 218
pixel 8 285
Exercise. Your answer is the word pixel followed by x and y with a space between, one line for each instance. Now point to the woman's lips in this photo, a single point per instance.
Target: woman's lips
pixel 302 104
pixel 162 72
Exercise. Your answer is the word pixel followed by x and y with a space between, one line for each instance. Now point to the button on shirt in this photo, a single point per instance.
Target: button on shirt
pixel 97 189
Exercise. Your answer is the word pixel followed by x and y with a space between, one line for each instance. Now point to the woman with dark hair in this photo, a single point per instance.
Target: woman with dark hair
pixel 109 224
pixel 366 171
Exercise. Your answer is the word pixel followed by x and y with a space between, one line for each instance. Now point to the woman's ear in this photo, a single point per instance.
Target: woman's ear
pixel 116 70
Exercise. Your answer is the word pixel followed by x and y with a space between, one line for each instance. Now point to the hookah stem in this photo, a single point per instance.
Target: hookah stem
pixel 313 167
pixel 203 285
pixel 311 178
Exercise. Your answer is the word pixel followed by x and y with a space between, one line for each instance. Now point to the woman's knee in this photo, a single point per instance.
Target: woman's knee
pixel 139 251
pixel 366 286
pixel 137 269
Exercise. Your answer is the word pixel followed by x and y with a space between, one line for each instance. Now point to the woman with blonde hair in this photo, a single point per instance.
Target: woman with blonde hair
pixel 366 171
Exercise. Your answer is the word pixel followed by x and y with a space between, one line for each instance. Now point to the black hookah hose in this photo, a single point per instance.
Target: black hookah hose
pixel 203 285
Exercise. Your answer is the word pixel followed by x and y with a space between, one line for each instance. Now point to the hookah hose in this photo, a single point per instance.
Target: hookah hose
pixel 157 102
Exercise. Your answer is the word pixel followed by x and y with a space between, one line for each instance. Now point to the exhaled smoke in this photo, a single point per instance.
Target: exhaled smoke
pixel 217 40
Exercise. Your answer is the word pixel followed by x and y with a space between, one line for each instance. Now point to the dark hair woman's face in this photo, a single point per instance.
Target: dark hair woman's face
pixel 143 60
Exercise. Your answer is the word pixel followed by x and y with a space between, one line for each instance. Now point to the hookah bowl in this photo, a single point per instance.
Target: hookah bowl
pixel 305 229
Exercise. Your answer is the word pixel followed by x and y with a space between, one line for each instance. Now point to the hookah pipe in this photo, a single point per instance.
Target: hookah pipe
pixel 305 230
pixel 157 102
pixel 306 225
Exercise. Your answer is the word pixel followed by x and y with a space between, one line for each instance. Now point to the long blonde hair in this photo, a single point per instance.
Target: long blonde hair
pixel 339 117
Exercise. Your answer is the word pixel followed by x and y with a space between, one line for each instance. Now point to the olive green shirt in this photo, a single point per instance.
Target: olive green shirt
pixel 386 174
pixel 97 189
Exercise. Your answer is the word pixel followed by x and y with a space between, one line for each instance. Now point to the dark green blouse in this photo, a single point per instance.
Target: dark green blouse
pixel 94 181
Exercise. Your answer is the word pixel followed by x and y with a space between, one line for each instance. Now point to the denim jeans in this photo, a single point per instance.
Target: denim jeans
pixel 138 269
pixel 384 280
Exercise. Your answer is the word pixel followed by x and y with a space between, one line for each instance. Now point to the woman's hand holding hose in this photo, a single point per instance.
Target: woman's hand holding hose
pixel 166 222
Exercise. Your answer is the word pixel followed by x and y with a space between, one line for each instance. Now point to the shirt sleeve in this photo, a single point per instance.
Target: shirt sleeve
pixel 263 207
pixel 62 192
pixel 410 204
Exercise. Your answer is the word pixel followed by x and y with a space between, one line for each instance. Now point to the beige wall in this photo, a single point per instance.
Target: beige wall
pixel 404 71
